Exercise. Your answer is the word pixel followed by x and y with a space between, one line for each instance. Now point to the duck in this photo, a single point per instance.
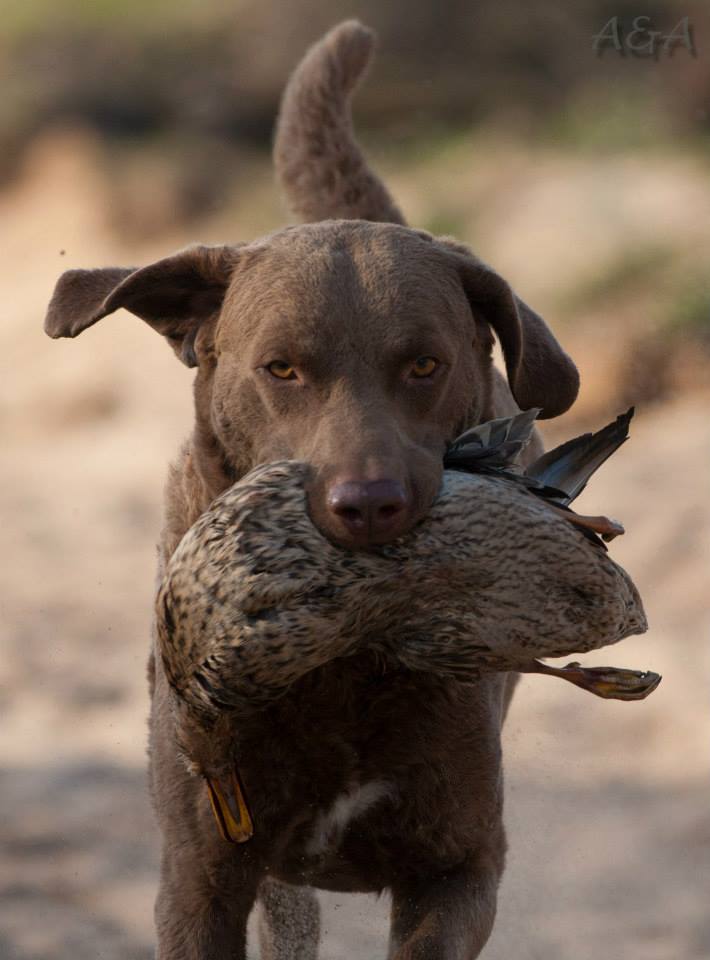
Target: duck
pixel 499 575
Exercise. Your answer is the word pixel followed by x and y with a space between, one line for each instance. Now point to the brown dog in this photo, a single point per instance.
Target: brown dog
pixel 362 347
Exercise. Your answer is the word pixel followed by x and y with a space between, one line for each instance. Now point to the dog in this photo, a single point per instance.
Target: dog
pixel 360 346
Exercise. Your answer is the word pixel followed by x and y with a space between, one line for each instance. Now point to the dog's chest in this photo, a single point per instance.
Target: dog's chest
pixel 347 808
pixel 359 770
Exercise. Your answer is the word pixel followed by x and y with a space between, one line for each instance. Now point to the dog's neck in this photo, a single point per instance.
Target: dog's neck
pixel 195 478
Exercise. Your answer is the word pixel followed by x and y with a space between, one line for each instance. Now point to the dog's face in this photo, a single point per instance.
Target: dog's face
pixel 354 351
pixel 359 348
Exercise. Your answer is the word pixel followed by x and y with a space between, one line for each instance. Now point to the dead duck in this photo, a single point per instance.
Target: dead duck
pixel 497 575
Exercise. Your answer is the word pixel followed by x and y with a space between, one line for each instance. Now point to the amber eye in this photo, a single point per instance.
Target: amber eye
pixel 281 369
pixel 424 366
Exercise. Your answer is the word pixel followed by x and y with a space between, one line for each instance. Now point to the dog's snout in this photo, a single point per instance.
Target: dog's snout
pixel 369 509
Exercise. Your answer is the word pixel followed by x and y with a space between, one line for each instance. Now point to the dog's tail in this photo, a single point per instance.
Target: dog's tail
pixel 322 169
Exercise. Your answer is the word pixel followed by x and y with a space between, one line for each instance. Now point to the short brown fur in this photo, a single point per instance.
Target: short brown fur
pixel 349 302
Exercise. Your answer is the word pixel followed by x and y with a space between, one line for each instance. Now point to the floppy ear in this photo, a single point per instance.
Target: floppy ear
pixel 175 296
pixel 540 373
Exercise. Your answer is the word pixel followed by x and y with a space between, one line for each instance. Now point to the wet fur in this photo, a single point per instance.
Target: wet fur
pixel 346 292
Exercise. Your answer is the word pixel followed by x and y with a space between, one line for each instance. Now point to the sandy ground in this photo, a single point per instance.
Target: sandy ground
pixel 606 802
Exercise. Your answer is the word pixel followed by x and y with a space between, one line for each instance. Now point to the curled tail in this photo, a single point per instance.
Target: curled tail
pixel 322 169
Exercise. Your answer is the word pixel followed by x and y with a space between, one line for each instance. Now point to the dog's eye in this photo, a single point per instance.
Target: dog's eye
pixel 424 366
pixel 281 369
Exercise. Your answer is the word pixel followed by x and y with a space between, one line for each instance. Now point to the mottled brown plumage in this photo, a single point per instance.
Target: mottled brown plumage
pixel 255 596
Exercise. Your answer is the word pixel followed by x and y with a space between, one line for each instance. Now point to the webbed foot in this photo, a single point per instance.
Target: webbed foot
pixel 610 683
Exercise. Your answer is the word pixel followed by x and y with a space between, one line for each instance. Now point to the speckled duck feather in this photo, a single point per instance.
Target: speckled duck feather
pixel 255 596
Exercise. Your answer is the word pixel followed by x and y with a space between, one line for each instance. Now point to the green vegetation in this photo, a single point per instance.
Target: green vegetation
pixel 33 17
pixel 688 316
pixel 629 271
pixel 129 68
pixel 599 119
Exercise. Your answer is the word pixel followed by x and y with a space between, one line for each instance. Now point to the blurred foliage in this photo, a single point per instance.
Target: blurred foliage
pixel 600 119
pixel 133 69
pixel 672 355
pixel 630 270
pixel 688 316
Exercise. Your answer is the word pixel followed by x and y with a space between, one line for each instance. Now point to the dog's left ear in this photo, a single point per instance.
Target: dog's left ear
pixel 174 296
pixel 540 373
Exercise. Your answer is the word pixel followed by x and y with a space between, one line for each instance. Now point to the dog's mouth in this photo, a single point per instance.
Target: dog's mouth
pixel 359 537
pixel 363 521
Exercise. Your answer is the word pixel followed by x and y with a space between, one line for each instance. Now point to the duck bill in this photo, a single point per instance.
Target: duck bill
pixel 229 807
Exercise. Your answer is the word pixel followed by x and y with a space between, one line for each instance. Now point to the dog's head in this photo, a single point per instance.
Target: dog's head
pixel 360 348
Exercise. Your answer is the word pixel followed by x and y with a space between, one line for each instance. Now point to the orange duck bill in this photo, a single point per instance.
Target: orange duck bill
pixel 230 809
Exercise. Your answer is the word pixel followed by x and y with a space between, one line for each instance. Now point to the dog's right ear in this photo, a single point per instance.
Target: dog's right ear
pixel 175 296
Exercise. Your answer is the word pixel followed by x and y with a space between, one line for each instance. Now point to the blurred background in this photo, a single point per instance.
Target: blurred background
pixel 129 129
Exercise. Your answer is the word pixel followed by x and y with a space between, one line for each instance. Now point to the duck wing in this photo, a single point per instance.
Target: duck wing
pixel 568 467
pixel 493 444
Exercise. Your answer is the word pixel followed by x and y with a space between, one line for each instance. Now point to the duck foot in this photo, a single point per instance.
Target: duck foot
pixel 604 526
pixel 610 683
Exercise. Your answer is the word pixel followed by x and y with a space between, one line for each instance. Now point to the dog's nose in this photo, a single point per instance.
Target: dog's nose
pixel 369 510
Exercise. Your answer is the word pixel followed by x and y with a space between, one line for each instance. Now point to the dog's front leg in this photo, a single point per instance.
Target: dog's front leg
pixel 197 921
pixel 289 927
pixel 448 917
